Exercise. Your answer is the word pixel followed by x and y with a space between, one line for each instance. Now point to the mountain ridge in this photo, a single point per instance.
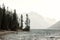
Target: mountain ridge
pixel 40 22
pixel 55 26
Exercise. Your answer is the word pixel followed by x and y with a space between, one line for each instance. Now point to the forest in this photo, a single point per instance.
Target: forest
pixel 9 20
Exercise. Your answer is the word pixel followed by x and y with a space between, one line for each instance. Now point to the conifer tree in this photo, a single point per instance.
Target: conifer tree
pixel 21 27
pixel 7 16
pixel 0 17
pixel 15 21
pixel 3 18
pixel 27 28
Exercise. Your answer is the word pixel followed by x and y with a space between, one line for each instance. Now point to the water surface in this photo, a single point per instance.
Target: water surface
pixel 34 34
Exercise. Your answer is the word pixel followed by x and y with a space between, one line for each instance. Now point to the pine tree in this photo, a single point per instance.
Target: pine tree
pixel 21 27
pixel 15 21
pixel 0 17
pixel 3 18
pixel 27 28
pixel 7 16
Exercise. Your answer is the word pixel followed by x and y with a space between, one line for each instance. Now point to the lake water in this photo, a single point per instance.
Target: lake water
pixel 34 34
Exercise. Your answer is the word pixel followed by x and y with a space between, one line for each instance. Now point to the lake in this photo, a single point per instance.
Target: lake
pixel 34 34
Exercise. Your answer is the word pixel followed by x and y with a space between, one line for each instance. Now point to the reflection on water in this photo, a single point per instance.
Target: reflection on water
pixel 34 35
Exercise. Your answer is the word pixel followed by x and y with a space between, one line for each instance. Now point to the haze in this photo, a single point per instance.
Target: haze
pixel 47 9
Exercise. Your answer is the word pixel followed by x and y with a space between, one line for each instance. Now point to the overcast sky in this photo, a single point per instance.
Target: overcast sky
pixel 46 8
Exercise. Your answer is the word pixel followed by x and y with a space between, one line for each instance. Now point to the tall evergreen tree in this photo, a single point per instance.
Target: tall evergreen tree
pixel 10 21
pixel 27 28
pixel 21 27
pixel 15 21
pixel 7 19
pixel 0 17
pixel 3 18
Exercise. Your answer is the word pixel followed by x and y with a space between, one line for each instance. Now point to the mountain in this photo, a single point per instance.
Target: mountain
pixel 39 22
pixel 55 26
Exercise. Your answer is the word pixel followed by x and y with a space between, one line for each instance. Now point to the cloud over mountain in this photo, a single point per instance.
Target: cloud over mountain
pixel 40 22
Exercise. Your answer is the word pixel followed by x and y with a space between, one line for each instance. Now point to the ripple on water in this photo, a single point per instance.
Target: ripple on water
pixel 30 35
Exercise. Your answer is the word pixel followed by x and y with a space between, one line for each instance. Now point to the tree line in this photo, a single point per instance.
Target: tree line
pixel 8 20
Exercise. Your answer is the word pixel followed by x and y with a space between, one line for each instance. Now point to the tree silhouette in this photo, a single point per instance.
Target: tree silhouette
pixel 3 18
pixel 27 23
pixel 8 20
pixel 0 17
pixel 14 21
pixel 21 27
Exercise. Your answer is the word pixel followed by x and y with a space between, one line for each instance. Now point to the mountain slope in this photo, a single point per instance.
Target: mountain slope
pixel 55 26
pixel 38 21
